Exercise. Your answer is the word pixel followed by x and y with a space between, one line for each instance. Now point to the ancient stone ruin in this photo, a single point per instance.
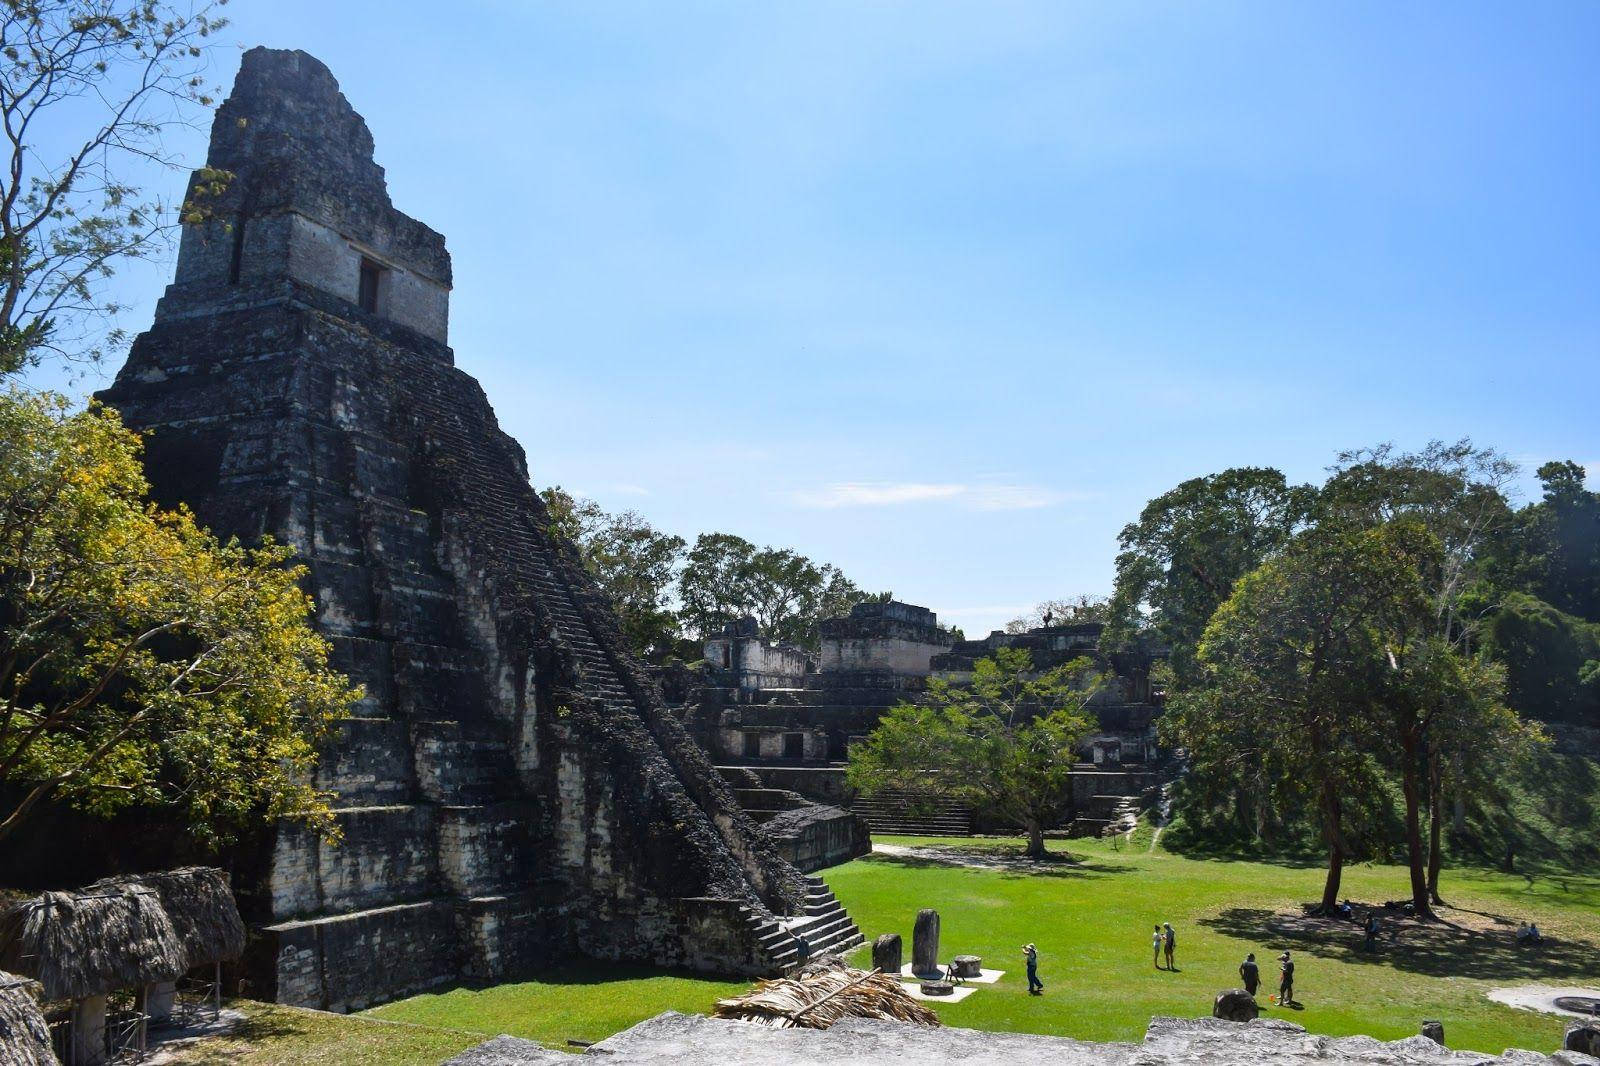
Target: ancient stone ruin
pixel 511 789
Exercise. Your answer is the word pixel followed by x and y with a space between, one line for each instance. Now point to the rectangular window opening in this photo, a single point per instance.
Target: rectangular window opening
pixel 236 262
pixel 371 282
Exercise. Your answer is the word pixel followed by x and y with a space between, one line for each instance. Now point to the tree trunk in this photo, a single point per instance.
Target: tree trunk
pixel 1435 827
pixel 1333 826
pixel 1035 839
pixel 1410 774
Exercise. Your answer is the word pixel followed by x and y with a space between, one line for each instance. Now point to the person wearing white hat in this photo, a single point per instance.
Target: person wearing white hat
pixel 1285 980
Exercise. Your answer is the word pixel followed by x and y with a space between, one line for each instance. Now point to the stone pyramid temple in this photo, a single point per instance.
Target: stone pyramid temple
pixel 512 789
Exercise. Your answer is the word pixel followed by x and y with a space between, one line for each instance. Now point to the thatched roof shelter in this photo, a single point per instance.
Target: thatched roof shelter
pixel 114 934
pixel 24 1036
pixel 822 992
pixel 202 910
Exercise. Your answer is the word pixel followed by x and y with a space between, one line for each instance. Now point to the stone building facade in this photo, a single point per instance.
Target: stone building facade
pixel 511 788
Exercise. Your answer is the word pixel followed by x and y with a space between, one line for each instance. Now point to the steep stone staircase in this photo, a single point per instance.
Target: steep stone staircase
pixel 825 928
pixel 914 814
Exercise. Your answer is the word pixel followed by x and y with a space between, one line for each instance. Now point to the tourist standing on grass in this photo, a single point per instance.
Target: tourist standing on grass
pixel 1250 974
pixel 1171 940
pixel 1031 953
pixel 1156 940
pixel 1285 980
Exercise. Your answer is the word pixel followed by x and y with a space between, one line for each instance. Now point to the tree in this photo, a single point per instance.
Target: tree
pixel 1008 740
pixel 1554 551
pixel 725 578
pixel 1071 611
pixel 1454 491
pixel 1295 659
pixel 1180 560
pixel 123 73
pixel 141 661
pixel 632 561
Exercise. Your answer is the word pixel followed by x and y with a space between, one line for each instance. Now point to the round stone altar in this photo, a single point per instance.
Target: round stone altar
pixel 967 966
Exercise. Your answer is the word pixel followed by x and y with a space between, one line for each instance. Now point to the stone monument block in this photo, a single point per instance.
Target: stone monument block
pixel 1434 1030
pixel 925 943
pixel 1583 1037
pixel 887 954
pixel 967 966
pixel 1235 1005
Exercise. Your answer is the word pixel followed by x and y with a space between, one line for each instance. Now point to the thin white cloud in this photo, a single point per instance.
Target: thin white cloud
pixel 978 497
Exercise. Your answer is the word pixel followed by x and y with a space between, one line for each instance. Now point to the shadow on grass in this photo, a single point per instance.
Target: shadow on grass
pixel 1436 949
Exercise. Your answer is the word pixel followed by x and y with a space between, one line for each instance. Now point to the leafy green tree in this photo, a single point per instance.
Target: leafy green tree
pixel 1556 550
pixel 141 661
pixel 1454 491
pixel 725 578
pixel 1180 560
pixel 632 561
pixel 107 80
pixel 1294 661
pixel 1007 741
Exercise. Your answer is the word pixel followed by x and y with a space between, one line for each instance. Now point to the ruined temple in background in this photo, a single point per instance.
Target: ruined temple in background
pixel 511 789
pixel 780 724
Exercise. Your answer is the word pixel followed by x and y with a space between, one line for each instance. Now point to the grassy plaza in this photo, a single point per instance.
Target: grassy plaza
pixel 1090 913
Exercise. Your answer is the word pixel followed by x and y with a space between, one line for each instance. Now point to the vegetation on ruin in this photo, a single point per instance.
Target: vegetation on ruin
pixel 1005 741
pixel 87 90
pixel 669 595
pixel 142 661
pixel 1091 918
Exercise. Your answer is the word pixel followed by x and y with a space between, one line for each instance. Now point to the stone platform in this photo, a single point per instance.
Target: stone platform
pixel 695 1040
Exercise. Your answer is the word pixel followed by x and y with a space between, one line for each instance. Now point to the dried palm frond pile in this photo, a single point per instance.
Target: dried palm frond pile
pixel 819 995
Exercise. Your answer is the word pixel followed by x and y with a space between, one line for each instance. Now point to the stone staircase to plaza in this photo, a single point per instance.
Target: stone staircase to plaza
pixel 914 814
pixel 825 928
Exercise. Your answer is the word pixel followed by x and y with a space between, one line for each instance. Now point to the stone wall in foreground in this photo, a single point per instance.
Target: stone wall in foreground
pixel 695 1040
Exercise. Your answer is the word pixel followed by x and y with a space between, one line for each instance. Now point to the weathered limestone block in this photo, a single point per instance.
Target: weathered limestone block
pixel 1583 1037
pixel 925 943
pixel 886 953
pixel 967 966
pixel 89 1031
pixel 1434 1030
pixel 1235 1005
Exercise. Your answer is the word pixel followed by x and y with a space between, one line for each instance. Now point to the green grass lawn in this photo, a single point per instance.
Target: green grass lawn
pixel 1092 923
pixel 580 1001
pixel 1091 920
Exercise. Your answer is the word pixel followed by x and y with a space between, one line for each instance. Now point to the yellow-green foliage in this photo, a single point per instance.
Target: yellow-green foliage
pixel 141 660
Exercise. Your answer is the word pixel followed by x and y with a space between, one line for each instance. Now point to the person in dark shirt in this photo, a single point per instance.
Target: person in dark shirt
pixel 1170 941
pixel 1374 926
pixel 1031 954
pixel 1250 974
pixel 1285 980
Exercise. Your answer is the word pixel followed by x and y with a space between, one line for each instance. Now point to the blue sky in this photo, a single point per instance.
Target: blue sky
pixel 944 292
